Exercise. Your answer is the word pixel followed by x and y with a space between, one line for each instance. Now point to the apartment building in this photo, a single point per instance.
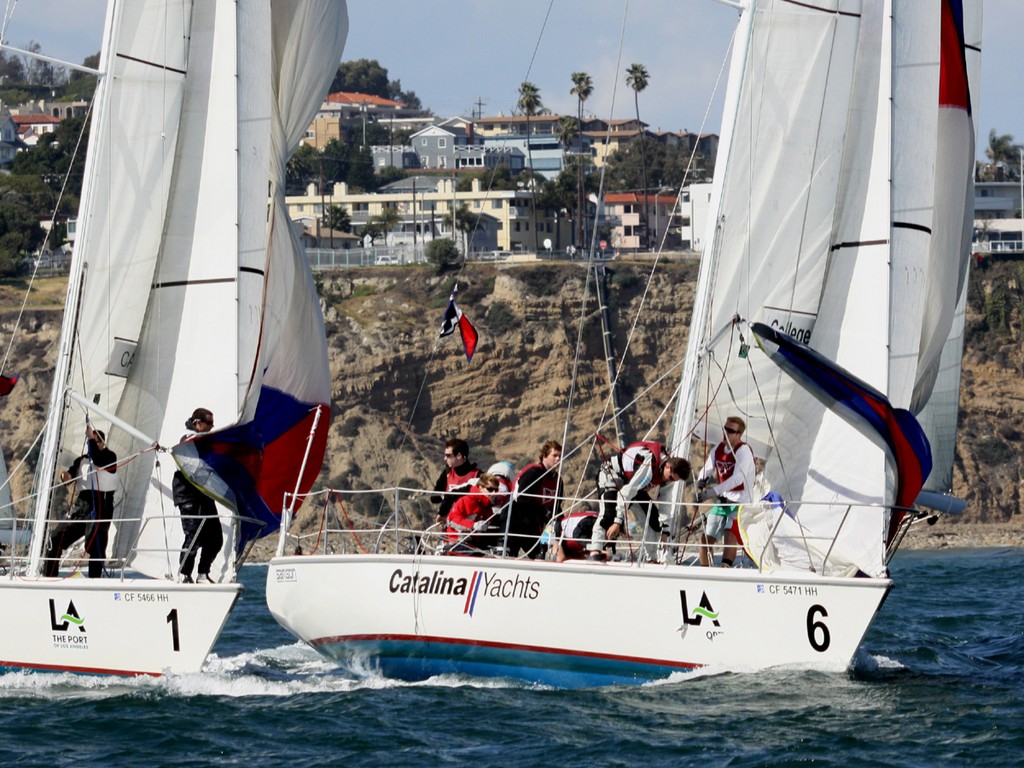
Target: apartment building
pixel 506 222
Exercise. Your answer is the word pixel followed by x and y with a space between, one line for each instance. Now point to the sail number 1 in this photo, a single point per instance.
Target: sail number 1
pixel 172 619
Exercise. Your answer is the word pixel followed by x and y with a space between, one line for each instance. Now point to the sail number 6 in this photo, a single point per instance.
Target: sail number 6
pixel 817 633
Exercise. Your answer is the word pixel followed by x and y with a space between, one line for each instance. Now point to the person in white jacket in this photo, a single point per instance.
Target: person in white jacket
pixel 728 478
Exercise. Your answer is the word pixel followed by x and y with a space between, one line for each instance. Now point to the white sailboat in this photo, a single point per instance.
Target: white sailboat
pixel 189 289
pixel 825 315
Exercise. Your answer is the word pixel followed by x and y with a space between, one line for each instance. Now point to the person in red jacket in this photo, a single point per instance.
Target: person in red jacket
pixel 469 516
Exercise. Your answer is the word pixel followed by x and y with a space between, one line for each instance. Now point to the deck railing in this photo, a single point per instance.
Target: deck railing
pixel 401 521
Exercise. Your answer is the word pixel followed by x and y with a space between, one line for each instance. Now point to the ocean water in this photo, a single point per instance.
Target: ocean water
pixel 938 682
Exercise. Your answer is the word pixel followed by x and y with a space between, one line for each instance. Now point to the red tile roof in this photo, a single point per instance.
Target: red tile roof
pixel 358 99
pixel 33 119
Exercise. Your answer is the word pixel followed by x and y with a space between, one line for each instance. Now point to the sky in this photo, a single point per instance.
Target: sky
pixel 461 56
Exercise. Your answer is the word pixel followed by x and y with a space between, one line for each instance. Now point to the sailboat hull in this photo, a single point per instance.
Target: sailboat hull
pixel 111 627
pixel 565 624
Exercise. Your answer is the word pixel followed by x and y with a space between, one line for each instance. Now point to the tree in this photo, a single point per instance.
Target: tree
pixel 388 219
pixel 360 173
pixel 337 218
pixel 1004 157
pixel 466 222
pixel 530 104
pixel 20 232
pixel 442 252
pixel 12 70
pixel 582 88
pixel 408 98
pixel 303 167
pixel 335 161
pixel 624 173
pixel 637 79
pixel 361 76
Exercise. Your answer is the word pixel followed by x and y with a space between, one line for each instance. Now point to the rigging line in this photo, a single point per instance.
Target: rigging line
pixel 571 399
pixel 8 17
pixel 53 218
pixel 700 132
pixel 600 196
pixel 490 180
pixel 772 442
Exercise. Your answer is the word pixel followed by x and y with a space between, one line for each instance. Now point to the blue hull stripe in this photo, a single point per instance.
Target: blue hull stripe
pixel 421 659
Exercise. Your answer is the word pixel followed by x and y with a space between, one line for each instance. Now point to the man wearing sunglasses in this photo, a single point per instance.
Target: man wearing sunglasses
pixel 728 477
pixel 454 479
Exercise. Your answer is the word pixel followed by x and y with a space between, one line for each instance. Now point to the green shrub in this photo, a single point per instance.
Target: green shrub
pixel 501 318
pixel 350 427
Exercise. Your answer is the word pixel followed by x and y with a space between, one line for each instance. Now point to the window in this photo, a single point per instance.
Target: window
pixel 423 142
pixel 442 143
pixel 496 204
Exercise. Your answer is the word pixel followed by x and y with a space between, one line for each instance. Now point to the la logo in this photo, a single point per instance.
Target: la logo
pixel 69 617
pixel 701 612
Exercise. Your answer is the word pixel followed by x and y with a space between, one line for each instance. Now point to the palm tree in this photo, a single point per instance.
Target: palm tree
pixel 637 79
pixel 530 104
pixel 466 222
pixel 1003 155
pixel 582 87
pixel 388 219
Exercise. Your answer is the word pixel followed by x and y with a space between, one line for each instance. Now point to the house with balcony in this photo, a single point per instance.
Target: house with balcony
pixel 643 222
pixel 423 202
pixel 997 199
pixel 542 145
pixel 344 107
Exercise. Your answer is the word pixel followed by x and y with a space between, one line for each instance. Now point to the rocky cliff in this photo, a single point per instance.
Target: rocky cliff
pixel 399 391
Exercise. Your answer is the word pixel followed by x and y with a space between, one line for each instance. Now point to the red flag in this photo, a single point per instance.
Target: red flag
pixel 7 384
pixel 453 317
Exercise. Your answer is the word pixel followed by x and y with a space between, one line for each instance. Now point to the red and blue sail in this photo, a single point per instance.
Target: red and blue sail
pixel 858 403
pixel 254 468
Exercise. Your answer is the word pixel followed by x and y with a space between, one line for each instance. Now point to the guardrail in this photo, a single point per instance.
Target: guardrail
pixel 402 521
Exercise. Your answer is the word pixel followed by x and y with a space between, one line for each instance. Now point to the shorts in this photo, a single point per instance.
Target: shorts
pixel 719 520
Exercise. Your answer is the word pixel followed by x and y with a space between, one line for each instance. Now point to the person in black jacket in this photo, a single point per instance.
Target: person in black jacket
pixel 90 516
pixel 199 519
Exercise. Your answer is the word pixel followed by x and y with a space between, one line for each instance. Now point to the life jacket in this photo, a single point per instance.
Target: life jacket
pixel 468 509
pixel 633 455
pixel 457 481
pixel 725 463
pixel 543 491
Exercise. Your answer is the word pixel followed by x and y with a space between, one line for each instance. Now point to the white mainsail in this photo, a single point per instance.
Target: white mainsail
pixel 827 211
pixel 189 288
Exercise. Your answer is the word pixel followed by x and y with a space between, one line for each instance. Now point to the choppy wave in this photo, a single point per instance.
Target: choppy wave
pixel 941 668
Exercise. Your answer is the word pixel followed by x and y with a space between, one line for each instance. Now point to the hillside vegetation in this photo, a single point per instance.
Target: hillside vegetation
pixel 399 391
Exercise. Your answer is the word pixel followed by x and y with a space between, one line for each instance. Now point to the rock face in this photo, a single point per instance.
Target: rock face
pixel 399 391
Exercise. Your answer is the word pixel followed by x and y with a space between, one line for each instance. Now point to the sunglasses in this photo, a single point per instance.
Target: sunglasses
pixel 732 431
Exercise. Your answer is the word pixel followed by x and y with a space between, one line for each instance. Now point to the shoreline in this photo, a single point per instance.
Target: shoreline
pixel 950 535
